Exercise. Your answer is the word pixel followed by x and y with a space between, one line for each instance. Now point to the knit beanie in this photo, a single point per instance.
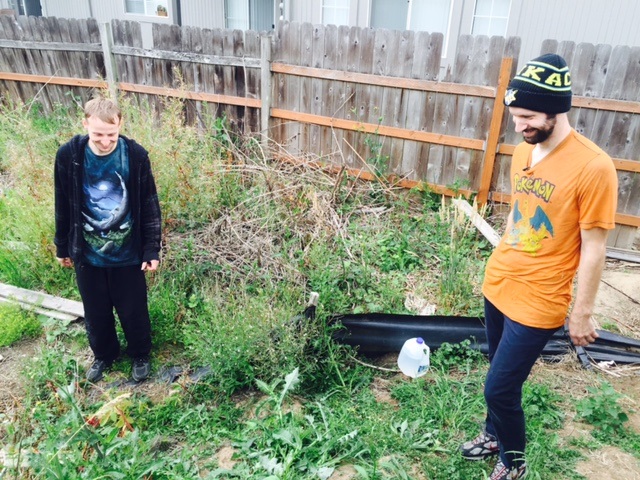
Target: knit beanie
pixel 543 85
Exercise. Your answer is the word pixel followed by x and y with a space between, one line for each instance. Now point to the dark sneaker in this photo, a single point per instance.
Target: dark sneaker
pixel 502 472
pixel 97 368
pixel 141 368
pixel 483 446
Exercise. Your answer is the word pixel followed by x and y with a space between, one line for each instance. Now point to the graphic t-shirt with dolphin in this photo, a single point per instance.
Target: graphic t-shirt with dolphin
pixel 106 212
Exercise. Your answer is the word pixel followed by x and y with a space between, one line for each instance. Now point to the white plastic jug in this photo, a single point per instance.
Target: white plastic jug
pixel 414 358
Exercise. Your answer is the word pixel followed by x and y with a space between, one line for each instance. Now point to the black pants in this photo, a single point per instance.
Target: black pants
pixel 122 288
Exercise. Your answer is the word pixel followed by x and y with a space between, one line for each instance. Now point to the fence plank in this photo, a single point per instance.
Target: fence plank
pixel 434 129
pixel 10 63
pixel 431 72
pixel 327 144
pixel 341 91
pixel 238 75
pixel 365 65
pixel 396 101
pixel 252 86
pixel 289 94
pixel 352 47
pixel 305 95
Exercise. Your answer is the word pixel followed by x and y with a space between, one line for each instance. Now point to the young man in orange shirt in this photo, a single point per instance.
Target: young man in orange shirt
pixel 564 195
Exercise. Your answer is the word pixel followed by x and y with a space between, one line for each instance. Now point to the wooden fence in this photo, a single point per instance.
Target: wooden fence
pixel 373 101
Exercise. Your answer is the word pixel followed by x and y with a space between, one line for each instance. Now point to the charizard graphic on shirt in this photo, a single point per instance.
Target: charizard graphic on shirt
pixel 528 230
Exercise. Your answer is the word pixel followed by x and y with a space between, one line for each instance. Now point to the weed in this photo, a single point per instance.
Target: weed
pixel 282 442
pixel 541 405
pixel 240 340
pixel 460 356
pixel 16 324
pixel 460 258
pixel 378 161
pixel 601 409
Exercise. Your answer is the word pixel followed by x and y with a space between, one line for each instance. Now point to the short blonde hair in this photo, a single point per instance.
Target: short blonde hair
pixel 103 108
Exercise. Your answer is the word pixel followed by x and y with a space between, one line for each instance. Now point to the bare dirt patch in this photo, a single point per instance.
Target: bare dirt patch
pixel 344 472
pixel 610 462
pixel 12 362
pixel 224 456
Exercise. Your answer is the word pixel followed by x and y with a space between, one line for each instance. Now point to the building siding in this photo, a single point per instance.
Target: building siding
pixel 611 22
pixel 67 9
pixel 203 13
pixel 305 11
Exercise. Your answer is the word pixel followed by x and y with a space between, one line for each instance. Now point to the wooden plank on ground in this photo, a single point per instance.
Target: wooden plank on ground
pixel 41 300
pixel 623 254
pixel 41 311
pixel 477 221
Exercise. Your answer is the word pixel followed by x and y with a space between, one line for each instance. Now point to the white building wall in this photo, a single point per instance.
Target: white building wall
pixel 67 9
pixel 360 13
pixel 311 11
pixel 595 21
pixel 304 11
pixel 613 22
pixel 203 13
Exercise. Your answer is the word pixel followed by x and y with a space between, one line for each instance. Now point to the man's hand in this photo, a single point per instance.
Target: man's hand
pixel 582 330
pixel 65 262
pixel 151 266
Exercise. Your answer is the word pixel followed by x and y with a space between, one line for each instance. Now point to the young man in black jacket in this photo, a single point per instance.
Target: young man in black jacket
pixel 108 227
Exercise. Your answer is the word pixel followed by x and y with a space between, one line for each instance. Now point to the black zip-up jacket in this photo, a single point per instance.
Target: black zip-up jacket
pixel 145 208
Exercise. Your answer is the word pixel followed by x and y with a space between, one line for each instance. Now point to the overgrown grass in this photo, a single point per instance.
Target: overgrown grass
pixel 17 324
pixel 246 239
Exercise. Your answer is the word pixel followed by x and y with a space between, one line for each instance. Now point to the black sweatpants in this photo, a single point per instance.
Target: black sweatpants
pixel 122 288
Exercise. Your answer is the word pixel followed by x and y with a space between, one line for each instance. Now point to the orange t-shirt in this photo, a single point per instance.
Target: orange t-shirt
pixel 529 276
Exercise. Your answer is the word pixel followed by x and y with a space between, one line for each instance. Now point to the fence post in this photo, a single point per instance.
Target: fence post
pixel 491 146
pixel 265 86
pixel 109 60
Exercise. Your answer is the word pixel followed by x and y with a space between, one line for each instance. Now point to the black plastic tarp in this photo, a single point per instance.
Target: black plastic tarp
pixel 379 333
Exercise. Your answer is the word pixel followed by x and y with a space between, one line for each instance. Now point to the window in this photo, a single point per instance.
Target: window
pixel 429 15
pixel 237 14
pixel 250 14
pixel 26 7
pixel 335 12
pixel 153 8
pixel 389 14
pixel 424 15
pixel 491 17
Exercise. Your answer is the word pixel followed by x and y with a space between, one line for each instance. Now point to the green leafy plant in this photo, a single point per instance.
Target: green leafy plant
pixel 16 324
pixel 288 444
pixel 601 409
pixel 460 356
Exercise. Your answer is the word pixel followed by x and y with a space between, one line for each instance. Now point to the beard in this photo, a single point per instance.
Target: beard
pixel 538 135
